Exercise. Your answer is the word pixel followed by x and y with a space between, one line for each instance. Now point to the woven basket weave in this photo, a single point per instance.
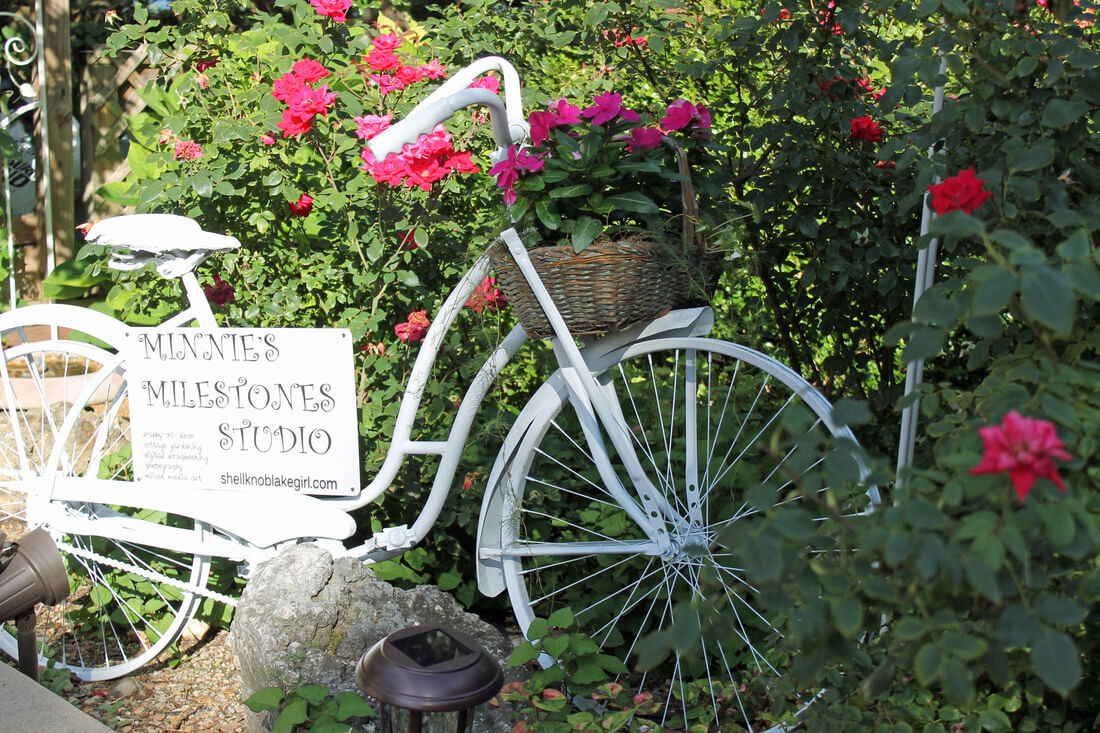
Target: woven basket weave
pixel 613 284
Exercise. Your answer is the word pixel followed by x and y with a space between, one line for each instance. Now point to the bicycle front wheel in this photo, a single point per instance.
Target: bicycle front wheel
pixel 706 420
pixel 65 414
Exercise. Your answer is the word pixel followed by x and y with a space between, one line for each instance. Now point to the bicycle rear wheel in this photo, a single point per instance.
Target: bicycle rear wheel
pixel 64 413
pixel 706 419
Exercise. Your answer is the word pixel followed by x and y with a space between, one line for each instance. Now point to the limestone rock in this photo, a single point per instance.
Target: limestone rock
pixel 305 619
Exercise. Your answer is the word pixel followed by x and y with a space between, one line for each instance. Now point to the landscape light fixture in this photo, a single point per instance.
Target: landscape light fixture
pixel 31 572
pixel 428 669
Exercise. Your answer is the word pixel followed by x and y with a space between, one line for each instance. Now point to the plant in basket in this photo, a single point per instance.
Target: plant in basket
pixel 604 199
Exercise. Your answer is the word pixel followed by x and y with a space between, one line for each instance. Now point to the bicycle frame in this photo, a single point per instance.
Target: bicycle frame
pixel 253 534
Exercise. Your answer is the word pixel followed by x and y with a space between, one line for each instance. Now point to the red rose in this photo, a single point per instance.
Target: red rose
pixel 302 206
pixel 865 128
pixel 962 192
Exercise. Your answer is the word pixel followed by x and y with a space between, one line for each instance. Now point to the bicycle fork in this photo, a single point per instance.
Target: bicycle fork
pixel 596 404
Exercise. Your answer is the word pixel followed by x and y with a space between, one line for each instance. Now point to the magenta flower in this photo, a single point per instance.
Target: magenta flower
pixel 606 108
pixel 541 124
pixel 678 115
pixel 267 139
pixel 287 85
pixel 1024 448
pixel 567 113
pixel 507 171
pixel 645 138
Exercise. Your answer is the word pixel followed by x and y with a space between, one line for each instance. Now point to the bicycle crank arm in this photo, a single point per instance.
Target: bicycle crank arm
pixel 261 519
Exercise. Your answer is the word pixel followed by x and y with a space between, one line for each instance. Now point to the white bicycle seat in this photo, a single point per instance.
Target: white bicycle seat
pixel 175 244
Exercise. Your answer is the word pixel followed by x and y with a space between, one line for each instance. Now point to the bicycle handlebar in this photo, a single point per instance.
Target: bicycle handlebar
pixel 508 124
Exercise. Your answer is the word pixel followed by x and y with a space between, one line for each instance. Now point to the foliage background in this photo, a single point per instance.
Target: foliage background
pixel 972 607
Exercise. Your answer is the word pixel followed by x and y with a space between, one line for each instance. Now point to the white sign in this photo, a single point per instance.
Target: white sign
pixel 245 408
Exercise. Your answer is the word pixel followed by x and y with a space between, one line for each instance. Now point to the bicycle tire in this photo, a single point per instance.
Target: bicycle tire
pixel 126 604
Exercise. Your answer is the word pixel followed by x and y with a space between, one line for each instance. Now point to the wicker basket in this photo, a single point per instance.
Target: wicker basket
pixel 613 284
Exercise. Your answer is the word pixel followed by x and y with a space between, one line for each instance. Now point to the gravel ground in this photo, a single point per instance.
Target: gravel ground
pixel 200 694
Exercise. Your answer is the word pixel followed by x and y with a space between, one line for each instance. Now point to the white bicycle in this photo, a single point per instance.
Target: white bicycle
pixel 607 495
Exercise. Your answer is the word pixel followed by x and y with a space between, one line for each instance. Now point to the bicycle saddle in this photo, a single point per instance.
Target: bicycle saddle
pixel 175 244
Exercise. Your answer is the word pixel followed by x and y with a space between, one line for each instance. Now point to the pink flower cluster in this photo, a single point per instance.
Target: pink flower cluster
pixel 303 101
pixel 487 296
pixel 422 163
pixel 413 329
pixel 391 74
pixel 187 150
pixel 606 108
pixel 1025 449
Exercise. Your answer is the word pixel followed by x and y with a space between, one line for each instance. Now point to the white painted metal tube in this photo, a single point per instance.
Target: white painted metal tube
pixel 926 267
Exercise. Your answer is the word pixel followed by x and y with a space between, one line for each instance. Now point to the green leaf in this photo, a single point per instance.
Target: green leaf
pixel 1047 296
pixel 995 721
pixel 555 646
pixel 847 615
pixel 293 714
pixel 633 201
pixel 408 278
pixel 549 219
pixel 313 694
pixel 995 291
pixel 1056 661
pixel 561 619
pixel 1033 158
pixel 577 189
pixel 268 698
pixel 1085 277
pixel 585 232
pixel 1059 610
pixel 537 629
pixel 958 224
pixel 910 628
pixel 851 412
pixel 523 654
pixel 958 686
pixel 964 646
pixel 982 579
pixel 1062 112
pixel 928 663
pixel 1060 527
pixel 351 705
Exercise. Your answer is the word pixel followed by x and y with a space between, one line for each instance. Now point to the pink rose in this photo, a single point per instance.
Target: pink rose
pixel 1024 448
pixel 335 9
